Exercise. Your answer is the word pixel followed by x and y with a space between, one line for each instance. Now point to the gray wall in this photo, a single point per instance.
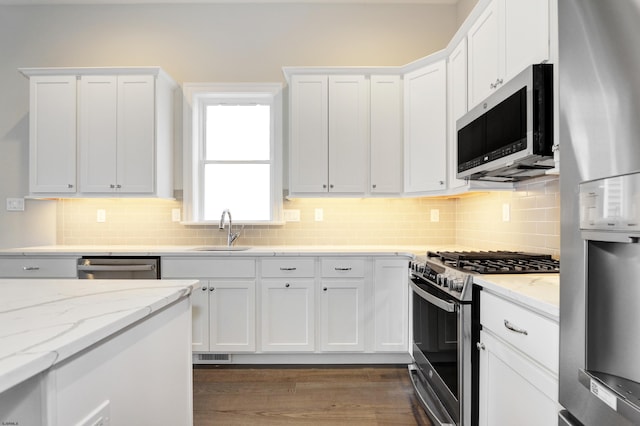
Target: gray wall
pixel 193 43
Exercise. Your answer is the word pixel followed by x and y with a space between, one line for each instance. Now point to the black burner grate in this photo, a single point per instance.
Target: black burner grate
pixel 498 262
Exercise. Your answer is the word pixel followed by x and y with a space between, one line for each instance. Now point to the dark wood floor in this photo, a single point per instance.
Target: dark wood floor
pixel 305 396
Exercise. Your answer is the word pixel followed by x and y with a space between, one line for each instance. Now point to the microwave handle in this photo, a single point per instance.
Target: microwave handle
pixel 610 237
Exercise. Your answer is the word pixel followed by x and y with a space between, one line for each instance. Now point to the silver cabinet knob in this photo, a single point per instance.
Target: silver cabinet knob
pixel 204 288
pixel 480 346
pixel 211 288
pixel 287 285
pixel 69 185
pixel 31 268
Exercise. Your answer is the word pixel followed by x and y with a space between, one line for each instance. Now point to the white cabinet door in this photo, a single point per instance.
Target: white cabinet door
pixel 232 307
pixel 288 315
pixel 52 134
pixel 526 34
pixel 329 134
pixel 117 134
pixel 386 134
pixel 457 106
pixel 513 390
pixel 200 317
pixel 506 38
pixel 98 133
pixel 309 147
pixel 485 68
pixel 348 133
pixel 342 315
pixel 426 128
pixel 136 156
pixel 391 305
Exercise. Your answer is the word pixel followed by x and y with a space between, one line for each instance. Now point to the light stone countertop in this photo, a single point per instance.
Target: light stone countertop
pixel 43 322
pixel 254 251
pixel 539 292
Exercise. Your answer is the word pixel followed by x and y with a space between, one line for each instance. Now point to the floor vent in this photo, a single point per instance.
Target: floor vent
pixel 213 358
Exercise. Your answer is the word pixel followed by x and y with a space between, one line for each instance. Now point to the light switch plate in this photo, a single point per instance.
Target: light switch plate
pixel 435 215
pixel 15 204
pixel 101 216
pixel 319 215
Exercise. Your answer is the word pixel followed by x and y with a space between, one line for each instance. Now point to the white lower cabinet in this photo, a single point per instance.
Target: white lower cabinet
pixel 38 267
pixel 223 306
pixel 340 305
pixel 288 315
pixel 391 305
pixel 518 365
pixel 232 316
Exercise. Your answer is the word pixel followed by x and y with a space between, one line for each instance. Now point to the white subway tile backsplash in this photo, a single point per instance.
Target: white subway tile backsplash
pixel 474 220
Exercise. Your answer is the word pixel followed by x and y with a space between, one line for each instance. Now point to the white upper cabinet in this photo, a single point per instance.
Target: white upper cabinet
pixel 348 133
pixel 52 134
pixel 117 123
pixel 117 134
pixel 506 38
pixel 425 124
pixel 386 134
pixel 457 105
pixel 309 141
pixel 329 134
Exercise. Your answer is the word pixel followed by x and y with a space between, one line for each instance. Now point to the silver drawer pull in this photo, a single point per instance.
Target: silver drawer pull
pixel 342 269
pixel 514 328
pixel 288 269
pixel 31 268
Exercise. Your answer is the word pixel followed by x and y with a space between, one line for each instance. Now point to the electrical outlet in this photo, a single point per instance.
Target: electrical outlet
pixel 319 214
pixel 15 204
pixel 506 212
pixel 435 215
pixel 101 216
pixel 291 215
pixel 175 215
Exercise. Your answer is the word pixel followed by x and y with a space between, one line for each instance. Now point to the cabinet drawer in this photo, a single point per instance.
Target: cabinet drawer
pixel 288 267
pixel 38 267
pixel 208 268
pixel 347 267
pixel 541 341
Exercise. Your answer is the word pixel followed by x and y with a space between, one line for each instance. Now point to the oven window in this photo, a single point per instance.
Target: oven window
pixel 435 333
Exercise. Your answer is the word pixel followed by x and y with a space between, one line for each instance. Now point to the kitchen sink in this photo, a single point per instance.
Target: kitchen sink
pixel 221 248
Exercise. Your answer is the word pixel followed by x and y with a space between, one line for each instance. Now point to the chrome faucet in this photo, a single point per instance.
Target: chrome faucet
pixel 231 236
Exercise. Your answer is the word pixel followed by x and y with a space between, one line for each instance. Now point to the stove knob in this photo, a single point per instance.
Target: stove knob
pixel 456 284
pixel 442 280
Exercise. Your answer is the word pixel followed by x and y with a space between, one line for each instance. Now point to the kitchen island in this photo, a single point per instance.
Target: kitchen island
pixel 78 351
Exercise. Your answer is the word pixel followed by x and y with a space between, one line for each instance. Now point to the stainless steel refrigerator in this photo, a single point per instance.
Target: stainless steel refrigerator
pixel 599 136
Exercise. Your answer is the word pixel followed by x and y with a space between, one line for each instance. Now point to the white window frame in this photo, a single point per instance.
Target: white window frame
pixel 195 97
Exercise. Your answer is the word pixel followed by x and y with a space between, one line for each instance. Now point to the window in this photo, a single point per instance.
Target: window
pixel 232 152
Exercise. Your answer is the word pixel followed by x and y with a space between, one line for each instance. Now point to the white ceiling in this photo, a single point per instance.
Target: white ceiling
pixel 61 2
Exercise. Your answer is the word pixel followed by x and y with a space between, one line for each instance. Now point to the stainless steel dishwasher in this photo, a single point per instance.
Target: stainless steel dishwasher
pixel 119 267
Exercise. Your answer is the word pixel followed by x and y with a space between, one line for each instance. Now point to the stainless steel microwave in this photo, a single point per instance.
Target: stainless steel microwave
pixel 509 136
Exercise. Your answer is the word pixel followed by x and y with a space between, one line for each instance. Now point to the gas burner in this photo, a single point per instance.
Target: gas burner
pixel 498 262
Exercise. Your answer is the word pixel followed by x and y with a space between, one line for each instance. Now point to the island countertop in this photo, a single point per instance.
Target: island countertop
pixel 43 322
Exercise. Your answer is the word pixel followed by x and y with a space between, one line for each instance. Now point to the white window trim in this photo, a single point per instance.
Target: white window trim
pixel 194 94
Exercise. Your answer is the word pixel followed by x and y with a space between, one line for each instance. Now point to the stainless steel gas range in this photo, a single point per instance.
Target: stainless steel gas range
pixel 444 371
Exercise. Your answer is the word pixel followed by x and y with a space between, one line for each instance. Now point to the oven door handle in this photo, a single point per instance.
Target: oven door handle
pixel 442 304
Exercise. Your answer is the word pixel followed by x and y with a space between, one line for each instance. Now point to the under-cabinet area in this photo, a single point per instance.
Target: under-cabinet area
pixel 346 309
